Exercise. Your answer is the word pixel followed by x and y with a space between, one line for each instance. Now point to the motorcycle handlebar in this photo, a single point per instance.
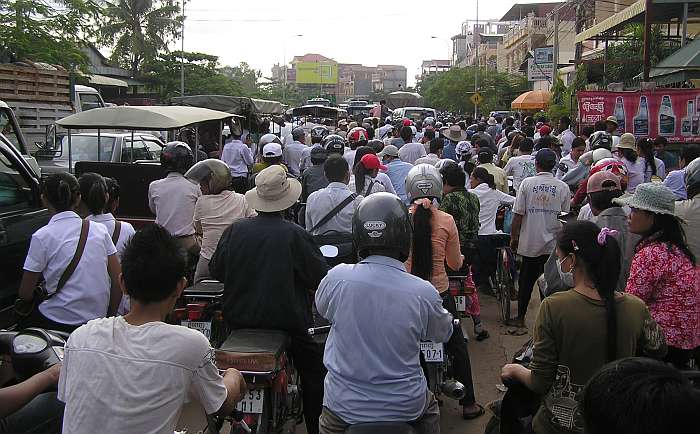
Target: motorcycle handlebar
pixel 313 331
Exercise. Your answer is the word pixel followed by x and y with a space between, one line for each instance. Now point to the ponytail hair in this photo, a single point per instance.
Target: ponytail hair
pixel 113 190
pixel 61 190
pixel 645 147
pixel 360 171
pixel 422 249
pixel 93 190
pixel 599 254
pixel 484 176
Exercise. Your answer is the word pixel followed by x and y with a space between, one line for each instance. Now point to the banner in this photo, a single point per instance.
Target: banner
pixel 316 73
pixel 672 113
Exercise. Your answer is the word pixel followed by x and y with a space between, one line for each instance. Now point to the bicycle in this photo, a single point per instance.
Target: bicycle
pixel 505 274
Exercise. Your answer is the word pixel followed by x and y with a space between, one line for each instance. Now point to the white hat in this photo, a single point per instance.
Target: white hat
pixel 492 121
pixel 273 191
pixel 272 150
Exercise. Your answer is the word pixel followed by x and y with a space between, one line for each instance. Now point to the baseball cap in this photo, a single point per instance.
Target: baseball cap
pixel 389 150
pixel 371 162
pixel 406 122
pixel 596 181
pixel 545 129
pixel 546 157
pixel 272 150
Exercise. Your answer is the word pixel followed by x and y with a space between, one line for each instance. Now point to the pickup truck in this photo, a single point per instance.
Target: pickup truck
pixel 21 214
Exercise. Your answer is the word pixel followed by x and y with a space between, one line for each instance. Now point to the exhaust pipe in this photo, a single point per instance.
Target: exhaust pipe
pixel 453 389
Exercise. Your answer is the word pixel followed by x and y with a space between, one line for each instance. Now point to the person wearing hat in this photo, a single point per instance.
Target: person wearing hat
pixel 362 181
pixel 493 129
pixel 453 135
pixel 485 159
pixel 663 272
pixel 314 178
pixel 538 203
pixel 396 170
pixel 626 151
pixel 611 125
pixel 269 266
pixel 271 155
pixel 239 159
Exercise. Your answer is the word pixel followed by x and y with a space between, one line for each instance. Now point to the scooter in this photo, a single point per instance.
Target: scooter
pixel 437 365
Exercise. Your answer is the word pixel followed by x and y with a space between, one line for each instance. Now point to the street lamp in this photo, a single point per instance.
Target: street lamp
pixel 182 52
pixel 284 64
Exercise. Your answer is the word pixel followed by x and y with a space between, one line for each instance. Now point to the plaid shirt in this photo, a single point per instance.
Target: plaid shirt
pixel 463 206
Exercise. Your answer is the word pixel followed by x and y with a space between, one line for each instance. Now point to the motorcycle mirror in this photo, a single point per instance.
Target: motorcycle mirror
pixel 28 344
pixel 329 251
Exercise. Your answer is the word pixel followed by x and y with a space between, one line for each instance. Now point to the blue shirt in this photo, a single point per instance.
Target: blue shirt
pixel 676 182
pixel 449 151
pixel 380 313
pixel 397 171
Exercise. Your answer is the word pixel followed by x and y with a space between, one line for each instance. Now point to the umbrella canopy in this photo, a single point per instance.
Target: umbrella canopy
pixel 532 100
pixel 142 117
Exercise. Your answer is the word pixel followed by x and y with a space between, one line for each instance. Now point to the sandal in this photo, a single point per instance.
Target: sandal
pixel 482 336
pixel 470 416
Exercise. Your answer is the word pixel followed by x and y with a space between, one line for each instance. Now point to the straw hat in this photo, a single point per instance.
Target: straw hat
pixel 653 197
pixel 627 141
pixel 455 133
pixel 273 191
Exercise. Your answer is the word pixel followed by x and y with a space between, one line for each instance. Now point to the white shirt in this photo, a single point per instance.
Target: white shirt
pixel 585 213
pixel 569 162
pixel 172 200
pixel 125 233
pixel 383 132
pixel 292 156
pixel 238 158
pixel 376 186
pixel 85 295
pixel 120 378
pixel 306 157
pixel 635 172
pixel 566 138
pixel 214 213
pixel 489 201
pixel 660 170
pixel 431 159
pixel 540 199
pixel 520 167
pixel 410 152
pixel 321 202
pixel 384 179
pixel 349 156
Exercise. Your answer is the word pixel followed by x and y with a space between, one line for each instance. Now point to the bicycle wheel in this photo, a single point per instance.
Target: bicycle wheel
pixel 504 282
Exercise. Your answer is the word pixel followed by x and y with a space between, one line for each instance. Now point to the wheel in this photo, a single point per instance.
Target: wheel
pixel 493 426
pixel 504 282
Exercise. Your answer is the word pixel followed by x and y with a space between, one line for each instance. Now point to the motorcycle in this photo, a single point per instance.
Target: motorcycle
pixel 437 365
pixel 274 393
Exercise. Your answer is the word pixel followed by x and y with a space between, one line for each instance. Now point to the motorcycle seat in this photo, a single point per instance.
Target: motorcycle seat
pixel 205 288
pixel 252 350
pixel 381 428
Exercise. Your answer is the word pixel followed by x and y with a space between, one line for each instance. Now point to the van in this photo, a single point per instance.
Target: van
pixel 414 113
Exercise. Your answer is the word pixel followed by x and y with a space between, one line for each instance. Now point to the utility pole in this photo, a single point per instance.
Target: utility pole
pixel 580 18
pixel 182 52
pixel 555 57
pixel 476 69
pixel 647 39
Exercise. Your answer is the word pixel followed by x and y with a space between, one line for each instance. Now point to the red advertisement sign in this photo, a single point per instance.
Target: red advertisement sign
pixel 672 113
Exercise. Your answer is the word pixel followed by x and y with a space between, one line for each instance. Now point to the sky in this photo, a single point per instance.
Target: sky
pixel 262 33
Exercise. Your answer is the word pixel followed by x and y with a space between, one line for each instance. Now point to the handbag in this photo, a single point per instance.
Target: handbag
pixel 341 240
pixel 24 308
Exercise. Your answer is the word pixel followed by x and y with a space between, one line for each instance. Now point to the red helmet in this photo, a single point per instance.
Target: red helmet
pixel 357 134
pixel 615 166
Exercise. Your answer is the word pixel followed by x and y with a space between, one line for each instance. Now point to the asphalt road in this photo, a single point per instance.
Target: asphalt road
pixel 487 358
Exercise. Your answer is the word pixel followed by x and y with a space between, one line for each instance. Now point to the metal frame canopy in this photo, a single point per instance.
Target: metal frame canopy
pixel 142 117
pixel 239 105
pixel 318 111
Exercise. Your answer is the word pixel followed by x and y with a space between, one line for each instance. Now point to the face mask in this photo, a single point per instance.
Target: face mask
pixel 566 278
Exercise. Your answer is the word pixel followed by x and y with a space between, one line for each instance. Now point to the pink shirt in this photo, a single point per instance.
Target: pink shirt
pixel 445 248
pixel 668 283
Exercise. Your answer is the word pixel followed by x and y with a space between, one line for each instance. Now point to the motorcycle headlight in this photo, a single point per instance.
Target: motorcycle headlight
pixel 28 344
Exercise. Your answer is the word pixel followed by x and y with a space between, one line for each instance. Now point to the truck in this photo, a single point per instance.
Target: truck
pixel 41 96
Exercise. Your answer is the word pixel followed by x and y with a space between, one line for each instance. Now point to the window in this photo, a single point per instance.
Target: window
pixel 89 101
pixel 84 148
pixel 13 187
pixel 154 148
pixel 140 151
pixel 7 129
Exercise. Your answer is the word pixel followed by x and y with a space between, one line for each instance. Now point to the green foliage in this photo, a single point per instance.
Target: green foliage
pixel 202 76
pixel 46 31
pixel 138 30
pixel 632 50
pixel 246 76
pixel 451 90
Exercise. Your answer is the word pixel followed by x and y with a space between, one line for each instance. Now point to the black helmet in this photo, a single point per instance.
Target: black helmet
pixel 692 178
pixel 601 139
pixel 318 133
pixel 381 224
pixel 176 157
pixel 334 144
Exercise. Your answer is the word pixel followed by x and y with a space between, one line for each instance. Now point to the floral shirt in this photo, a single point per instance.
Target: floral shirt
pixel 668 283
pixel 464 207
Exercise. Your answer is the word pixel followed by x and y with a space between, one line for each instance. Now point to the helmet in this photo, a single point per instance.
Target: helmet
pixel 422 181
pixel 214 172
pixel 357 134
pixel 319 132
pixel 268 138
pixel 463 148
pixel 381 222
pixel 692 177
pixel 615 166
pixel 298 133
pixel 176 157
pixel 601 154
pixel 601 139
pixel 334 143
pixel 429 120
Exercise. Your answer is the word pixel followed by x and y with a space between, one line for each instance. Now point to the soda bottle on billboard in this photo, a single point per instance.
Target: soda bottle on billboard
pixel 641 121
pixel 695 128
pixel 667 120
pixel 687 122
pixel 619 114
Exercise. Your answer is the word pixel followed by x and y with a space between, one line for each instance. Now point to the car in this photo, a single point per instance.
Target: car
pixel 414 113
pixel 114 147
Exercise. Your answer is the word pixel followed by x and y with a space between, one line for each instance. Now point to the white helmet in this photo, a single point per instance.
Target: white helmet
pixel 214 172
pixel 424 181
pixel 268 138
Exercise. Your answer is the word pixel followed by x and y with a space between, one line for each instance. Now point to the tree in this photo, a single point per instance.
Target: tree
pixel 246 76
pixel 138 30
pixel 46 31
pixel 202 76
pixel 632 50
pixel 451 90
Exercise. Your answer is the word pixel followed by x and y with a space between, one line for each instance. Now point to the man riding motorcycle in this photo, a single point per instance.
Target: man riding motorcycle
pixel 380 313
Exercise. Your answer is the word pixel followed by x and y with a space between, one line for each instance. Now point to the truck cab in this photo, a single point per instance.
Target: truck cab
pixel 9 128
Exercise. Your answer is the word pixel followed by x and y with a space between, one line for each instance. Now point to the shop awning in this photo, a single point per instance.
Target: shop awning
pixel 532 100
pixel 680 66
pixel 101 80
pixel 613 21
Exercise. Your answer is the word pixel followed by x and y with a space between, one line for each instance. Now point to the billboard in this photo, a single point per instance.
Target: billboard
pixel 672 113
pixel 316 73
pixel 537 72
pixel 544 55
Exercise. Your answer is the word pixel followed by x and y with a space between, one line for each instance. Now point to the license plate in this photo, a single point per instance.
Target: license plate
pixel 203 327
pixel 252 402
pixel 432 351
pixel 461 302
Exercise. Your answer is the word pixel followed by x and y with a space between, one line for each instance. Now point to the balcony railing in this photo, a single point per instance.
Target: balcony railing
pixel 526 26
